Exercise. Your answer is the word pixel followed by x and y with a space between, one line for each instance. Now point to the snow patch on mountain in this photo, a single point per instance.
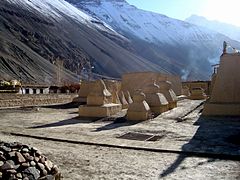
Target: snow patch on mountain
pixel 49 8
pixel 148 26
pixel 55 9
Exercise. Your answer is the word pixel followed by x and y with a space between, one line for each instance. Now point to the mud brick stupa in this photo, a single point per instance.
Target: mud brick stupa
pixel 157 101
pixel 139 109
pixel 225 97
pixel 99 102
pixel 165 87
pixel 83 93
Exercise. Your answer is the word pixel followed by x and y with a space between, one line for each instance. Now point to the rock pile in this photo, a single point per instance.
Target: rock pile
pixel 18 161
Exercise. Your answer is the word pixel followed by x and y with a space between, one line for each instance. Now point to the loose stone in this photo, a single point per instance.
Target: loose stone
pixel 11 171
pixel 19 175
pixel 41 166
pixel 38 153
pixel 6 149
pixel 1 163
pixel 6 166
pixel 11 162
pixel 20 157
pixel 36 159
pixel 42 160
pixel 25 164
pixel 48 177
pixel 48 165
pixel 11 154
pixel 30 158
pixel 32 163
pixel 32 172
pixel 34 149
pixel 44 172
pixel 25 150
pixel 2 158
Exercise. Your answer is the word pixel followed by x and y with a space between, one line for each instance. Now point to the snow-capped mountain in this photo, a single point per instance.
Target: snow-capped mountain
pixel 179 46
pixel 146 25
pixel 35 33
pixel 224 28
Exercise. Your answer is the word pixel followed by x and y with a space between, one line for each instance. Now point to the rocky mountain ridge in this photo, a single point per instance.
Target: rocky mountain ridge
pixel 34 34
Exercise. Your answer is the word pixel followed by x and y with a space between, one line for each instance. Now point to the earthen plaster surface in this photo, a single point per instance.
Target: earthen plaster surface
pixel 182 130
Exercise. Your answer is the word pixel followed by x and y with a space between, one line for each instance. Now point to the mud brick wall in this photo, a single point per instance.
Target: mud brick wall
pixel 198 84
pixel 15 100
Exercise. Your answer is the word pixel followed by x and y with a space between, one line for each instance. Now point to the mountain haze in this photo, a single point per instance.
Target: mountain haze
pixel 181 47
pixel 228 29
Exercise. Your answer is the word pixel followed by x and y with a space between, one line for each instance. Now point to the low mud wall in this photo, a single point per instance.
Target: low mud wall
pixel 16 100
pixel 198 84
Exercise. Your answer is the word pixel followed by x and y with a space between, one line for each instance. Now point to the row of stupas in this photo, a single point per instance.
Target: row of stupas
pixel 147 93
pixel 141 104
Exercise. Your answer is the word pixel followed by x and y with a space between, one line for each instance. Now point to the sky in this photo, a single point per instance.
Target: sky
pixel 222 10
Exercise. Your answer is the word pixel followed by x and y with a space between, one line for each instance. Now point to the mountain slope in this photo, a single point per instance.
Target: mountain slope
pixel 180 47
pixel 34 34
pixel 224 28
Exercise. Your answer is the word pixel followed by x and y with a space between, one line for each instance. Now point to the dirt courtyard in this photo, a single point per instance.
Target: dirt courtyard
pixel 185 145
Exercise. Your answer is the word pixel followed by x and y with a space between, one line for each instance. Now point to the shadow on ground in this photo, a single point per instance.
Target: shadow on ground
pixel 75 120
pixel 217 138
pixel 117 123
pixel 114 123
pixel 64 106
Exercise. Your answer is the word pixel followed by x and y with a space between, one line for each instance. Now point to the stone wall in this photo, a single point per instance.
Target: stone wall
pixel 16 100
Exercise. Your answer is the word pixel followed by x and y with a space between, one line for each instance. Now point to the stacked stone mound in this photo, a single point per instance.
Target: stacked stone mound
pixel 18 161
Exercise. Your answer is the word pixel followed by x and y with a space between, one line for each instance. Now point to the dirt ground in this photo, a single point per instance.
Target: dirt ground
pixel 188 146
